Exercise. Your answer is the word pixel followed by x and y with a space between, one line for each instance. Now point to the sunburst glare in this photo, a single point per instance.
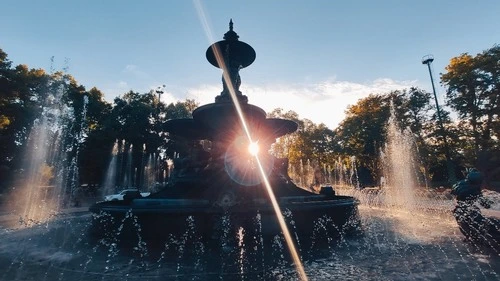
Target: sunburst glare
pixel 253 148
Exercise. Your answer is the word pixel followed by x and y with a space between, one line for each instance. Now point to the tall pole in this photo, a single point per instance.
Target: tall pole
pixel 160 91
pixel 449 165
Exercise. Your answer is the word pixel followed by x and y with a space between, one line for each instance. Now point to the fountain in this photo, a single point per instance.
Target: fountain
pixel 50 169
pixel 422 242
pixel 230 174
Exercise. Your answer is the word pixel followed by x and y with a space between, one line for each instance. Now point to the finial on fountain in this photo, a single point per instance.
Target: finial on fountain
pixel 231 35
pixel 230 55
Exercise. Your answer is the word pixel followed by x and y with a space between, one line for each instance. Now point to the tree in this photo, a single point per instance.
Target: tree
pixel 99 138
pixel 363 132
pixel 310 147
pixel 473 90
pixel 281 148
pixel 22 93
pixel 178 110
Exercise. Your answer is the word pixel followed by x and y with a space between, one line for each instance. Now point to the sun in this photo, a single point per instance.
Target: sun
pixel 253 148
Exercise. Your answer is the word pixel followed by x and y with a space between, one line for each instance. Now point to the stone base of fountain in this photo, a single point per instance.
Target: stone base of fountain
pixel 157 218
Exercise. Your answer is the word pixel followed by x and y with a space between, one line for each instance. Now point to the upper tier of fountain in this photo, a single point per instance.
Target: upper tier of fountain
pixel 220 120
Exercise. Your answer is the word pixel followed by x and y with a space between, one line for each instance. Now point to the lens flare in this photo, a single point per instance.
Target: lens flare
pixel 253 148
pixel 240 163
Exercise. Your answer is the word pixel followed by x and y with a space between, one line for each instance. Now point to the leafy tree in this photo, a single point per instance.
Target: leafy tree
pixel 281 148
pixel 473 91
pixel 311 143
pixel 99 140
pixel 363 132
pixel 132 120
pixel 178 110
pixel 22 91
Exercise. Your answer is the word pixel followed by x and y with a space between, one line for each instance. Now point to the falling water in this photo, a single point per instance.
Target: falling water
pixel 109 184
pixel 308 174
pixel 73 170
pixel 128 173
pixel 150 171
pixel 51 159
pixel 122 173
pixel 398 160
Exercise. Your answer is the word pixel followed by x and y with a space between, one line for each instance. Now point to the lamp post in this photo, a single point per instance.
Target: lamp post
pixel 428 59
pixel 160 91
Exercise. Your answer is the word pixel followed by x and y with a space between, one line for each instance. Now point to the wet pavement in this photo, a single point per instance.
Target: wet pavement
pixel 394 245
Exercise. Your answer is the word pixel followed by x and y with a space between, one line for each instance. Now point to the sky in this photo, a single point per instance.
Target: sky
pixel 313 57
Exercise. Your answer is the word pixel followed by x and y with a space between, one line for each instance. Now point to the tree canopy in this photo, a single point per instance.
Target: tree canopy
pixel 473 91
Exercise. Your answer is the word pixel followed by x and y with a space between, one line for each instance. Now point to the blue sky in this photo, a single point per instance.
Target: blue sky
pixel 313 57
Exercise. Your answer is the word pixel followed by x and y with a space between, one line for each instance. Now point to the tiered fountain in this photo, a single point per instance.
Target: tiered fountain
pixel 229 172
pixel 223 188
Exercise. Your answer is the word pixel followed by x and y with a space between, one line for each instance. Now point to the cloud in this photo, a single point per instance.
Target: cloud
pixel 114 90
pixel 323 102
pixel 130 68
pixel 204 94
pixel 135 73
pixel 166 96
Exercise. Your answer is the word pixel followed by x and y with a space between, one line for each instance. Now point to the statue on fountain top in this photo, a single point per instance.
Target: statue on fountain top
pixel 230 55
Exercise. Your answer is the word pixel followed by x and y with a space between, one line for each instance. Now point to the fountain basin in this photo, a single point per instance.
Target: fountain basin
pixel 159 218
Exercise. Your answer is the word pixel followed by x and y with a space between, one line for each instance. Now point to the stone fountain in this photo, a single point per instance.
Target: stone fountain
pixel 217 194
pixel 222 176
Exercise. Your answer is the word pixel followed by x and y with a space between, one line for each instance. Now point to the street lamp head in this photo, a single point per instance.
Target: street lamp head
pixel 427 59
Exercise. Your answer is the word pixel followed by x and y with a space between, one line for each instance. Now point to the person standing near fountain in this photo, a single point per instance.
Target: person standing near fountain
pixel 468 215
pixel 469 189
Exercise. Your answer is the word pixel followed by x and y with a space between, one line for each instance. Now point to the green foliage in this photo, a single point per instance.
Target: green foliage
pixel 473 90
pixel 22 91
pixel 363 132
pixel 178 110
pixel 310 143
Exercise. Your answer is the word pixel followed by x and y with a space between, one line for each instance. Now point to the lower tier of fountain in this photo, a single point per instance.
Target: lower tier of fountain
pixel 160 217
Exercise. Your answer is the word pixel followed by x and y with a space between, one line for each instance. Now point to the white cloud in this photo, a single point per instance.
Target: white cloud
pixel 323 102
pixel 130 68
pixel 204 94
pixel 116 89
pixel 166 97
pixel 135 71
